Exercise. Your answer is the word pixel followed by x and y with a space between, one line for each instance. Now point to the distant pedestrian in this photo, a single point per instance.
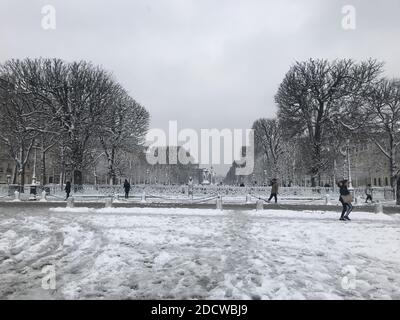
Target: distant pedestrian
pixel 368 193
pixel 274 190
pixel 127 188
pixel 190 186
pixel 67 189
pixel 346 199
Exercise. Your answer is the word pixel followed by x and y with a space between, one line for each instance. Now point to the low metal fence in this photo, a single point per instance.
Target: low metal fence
pixel 379 193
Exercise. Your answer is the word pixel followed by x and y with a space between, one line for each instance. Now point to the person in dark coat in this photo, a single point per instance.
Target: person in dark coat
pixel 67 189
pixel 127 188
pixel 368 193
pixel 190 186
pixel 345 199
pixel 274 190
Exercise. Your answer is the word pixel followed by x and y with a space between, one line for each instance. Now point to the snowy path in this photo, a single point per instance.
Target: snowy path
pixel 190 253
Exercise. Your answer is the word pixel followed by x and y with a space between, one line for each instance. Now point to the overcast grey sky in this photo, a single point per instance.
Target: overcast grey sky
pixel 205 63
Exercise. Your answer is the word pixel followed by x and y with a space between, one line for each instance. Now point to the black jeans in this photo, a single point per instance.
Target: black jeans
pixel 68 192
pixel 347 208
pixel 126 194
pixel 369 197
pixel 273 195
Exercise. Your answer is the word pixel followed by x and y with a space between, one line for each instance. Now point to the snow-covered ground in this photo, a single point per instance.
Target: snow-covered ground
pixel 198 254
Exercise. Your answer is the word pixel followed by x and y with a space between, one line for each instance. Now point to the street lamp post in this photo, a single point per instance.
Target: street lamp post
pixel 348 164
pixel 334 175
pixel 350 184
pixel 34 167
pixel 33 186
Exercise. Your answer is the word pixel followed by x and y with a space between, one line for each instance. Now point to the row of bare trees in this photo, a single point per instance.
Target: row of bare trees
pixel 77 109
pixel 321 104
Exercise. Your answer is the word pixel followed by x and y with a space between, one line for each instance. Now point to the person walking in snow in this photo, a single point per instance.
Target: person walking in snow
pixel 67 189
pixel 190 186
pixel 368 193
pixel 274 190
pixel 346 200
pixel 127 188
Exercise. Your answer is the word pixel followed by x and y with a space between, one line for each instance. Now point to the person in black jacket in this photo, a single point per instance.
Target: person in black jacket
pixel 274 190
pixel 127 188
pixel 347 206
pixel 67 189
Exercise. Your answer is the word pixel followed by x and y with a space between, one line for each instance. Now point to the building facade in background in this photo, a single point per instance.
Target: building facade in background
pixel 368 165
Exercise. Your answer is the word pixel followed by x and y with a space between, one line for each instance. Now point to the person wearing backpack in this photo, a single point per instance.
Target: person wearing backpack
pixel 346 199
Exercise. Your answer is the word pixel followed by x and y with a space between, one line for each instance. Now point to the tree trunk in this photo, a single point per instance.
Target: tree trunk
pixel 111 170
pixel 21 167
pixel 15 175
pixel 62 174
pixel 398 192
pixel 315 166
pixel 62 180
pixel 21 173
pixel 78 180
pixel 393 176
pixel 43 177
pixel 77 164
pixel 313 183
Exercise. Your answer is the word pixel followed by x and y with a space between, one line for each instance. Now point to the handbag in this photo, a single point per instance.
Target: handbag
pixel 347 198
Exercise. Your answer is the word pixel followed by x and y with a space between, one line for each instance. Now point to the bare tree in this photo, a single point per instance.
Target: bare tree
pixel 382 106
pixel 268 139
pixel 78 95
pixel 311 99
pixel 48 102
pixel 123 129
pixel 30 73
pixel 19 113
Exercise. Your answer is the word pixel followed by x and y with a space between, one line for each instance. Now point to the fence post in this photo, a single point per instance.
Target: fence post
pixel 108 203
pixel 327 200
pixel 219 203
pixel 358 200
pixel 44 195
pixel 143 197
pixel 248 198
pixel 378 208
pixel 70 202
pixel 16 196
